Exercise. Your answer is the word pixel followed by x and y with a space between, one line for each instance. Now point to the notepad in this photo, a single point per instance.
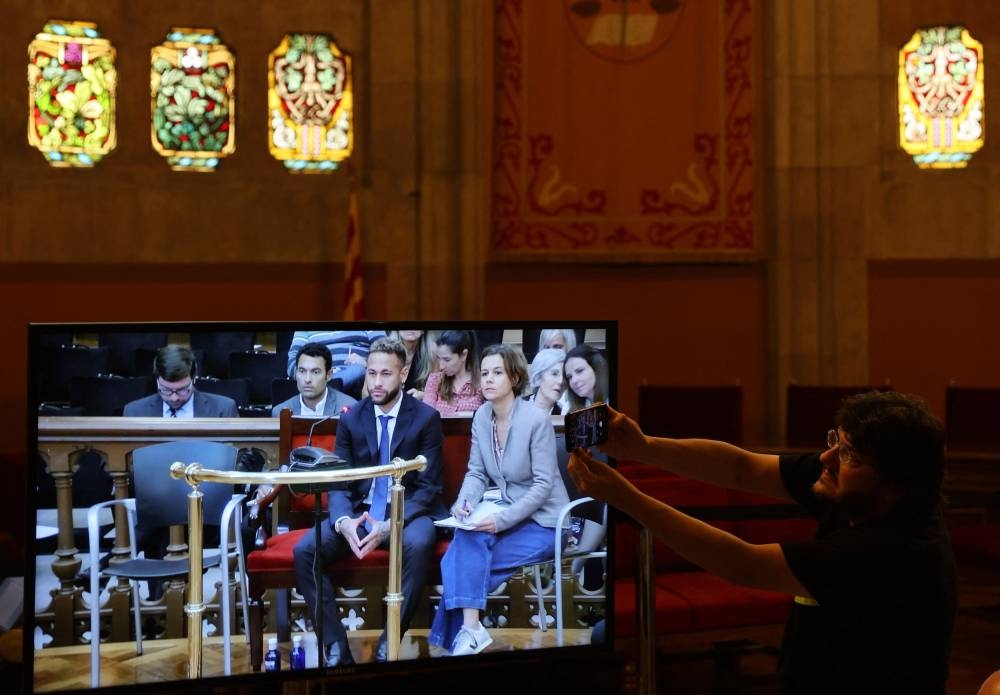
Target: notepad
pixel 483 511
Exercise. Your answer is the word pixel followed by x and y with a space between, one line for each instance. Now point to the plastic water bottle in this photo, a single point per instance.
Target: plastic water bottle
pixel 297 660
pixel 272 660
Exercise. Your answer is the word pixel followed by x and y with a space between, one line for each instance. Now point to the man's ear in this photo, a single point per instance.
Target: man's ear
pixel 329 375
pixel 403 372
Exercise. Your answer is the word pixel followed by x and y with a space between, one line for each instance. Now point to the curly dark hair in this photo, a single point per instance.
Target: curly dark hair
pixel 901 438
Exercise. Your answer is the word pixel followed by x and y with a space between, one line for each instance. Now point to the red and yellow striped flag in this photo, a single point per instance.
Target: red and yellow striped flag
pixel 353 289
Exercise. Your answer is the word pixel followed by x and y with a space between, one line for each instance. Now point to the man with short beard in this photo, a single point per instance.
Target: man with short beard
pixel 385 425
pixel 875 590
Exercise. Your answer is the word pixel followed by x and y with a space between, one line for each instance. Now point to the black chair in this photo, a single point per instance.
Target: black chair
pixel 58 365
pixel 703 412
pixel 810 411
pixel 970 417
pixel 144 358
pixel 218 346
pixel 261 368
pixel 107 395
pixel 237 389
pixel 55 340
pixel 282 389
pixel 161 501
pixel 123 347
pixel 283 341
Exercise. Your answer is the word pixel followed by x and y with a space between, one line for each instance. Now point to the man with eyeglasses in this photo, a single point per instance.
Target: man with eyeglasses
pixel 875 590
pixel 174 369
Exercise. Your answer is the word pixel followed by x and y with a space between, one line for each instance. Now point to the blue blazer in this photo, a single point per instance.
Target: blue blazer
pixel 417 431
pixel 205 405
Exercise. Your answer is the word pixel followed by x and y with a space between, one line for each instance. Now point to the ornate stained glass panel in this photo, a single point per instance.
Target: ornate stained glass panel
pixel 310 103
pixel 71 94
pixel 193 86
pixel 941 108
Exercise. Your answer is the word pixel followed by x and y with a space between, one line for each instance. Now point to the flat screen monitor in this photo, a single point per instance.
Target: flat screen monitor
pixel 101 394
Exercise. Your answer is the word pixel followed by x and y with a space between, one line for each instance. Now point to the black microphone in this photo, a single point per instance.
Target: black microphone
pixel 309 439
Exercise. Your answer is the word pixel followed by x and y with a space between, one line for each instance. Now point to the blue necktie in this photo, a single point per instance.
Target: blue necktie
pixel 380 486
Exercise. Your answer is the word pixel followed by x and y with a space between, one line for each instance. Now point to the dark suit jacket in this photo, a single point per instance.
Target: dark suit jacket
pixel 205 405
pixel 417 431
pixel 335 402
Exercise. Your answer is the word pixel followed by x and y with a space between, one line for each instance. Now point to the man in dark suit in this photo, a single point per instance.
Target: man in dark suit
pixel 176 396
pixel 386 424
pixel 316 398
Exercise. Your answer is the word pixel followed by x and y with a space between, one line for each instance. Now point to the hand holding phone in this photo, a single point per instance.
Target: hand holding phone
pixel 586 427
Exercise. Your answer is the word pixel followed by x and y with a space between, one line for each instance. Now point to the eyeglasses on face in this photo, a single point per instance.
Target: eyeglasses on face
pixel 845 451
pixel 182 392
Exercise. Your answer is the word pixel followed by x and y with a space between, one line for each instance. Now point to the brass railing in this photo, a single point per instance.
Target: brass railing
pixel 195 474
pixel 60 442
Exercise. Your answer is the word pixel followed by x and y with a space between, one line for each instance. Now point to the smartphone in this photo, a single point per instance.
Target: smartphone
pixel 586 427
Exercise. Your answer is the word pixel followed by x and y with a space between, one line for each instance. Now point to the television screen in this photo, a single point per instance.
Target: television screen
pixel 113 405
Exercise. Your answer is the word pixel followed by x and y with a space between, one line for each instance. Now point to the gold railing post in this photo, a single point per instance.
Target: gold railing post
pixel 646 613
pixel 195 606
pixel 394 595
pixel 195 474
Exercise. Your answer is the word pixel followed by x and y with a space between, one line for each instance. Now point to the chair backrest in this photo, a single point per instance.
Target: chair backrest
pixel 811 410
pixel 162 500
pixel 261 368
pixel 706 412
pixel 282 389
pixel 237 389
pixel 57 365
pixel 144 357
pixel 107 395
pixel 123 347
pixel 294 432
pixel 971 417
pixel 218 346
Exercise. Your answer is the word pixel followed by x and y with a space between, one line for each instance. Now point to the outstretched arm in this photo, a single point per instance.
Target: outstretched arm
pixel 759 566
pixel 706 460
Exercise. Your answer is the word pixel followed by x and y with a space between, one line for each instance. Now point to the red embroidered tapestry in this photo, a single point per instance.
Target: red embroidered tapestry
pixel 624 129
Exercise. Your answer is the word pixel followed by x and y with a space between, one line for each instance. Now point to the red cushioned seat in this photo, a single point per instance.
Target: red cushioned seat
pixel 673 614
pixel 278 555
pixel 716 603
pixel 977 544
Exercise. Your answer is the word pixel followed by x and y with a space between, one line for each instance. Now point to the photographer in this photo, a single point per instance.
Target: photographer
pixel 875 592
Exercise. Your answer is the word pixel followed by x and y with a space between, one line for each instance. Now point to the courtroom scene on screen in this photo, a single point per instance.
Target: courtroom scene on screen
pixel 370 494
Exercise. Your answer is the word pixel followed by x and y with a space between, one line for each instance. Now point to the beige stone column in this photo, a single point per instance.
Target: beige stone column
pixel 425 176
pixel 821 63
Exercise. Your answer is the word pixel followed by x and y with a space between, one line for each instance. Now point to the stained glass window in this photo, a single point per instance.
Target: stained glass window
pixel 941 97
pixel 71 94
pixel 310 103
pixel 193 85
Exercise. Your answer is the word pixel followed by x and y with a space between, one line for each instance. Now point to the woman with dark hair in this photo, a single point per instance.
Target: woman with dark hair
pixel 587 374
pixel 513 448
pixel 454 389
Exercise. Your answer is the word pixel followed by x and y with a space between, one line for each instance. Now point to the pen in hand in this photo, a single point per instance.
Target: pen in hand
pixel 462 510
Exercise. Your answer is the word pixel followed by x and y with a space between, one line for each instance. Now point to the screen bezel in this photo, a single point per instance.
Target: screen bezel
pixel 574 656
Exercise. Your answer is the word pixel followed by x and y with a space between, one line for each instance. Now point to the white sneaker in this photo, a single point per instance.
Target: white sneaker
pixel 471 641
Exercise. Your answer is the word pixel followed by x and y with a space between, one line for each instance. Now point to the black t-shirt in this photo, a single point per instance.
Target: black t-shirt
pixel 886 593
